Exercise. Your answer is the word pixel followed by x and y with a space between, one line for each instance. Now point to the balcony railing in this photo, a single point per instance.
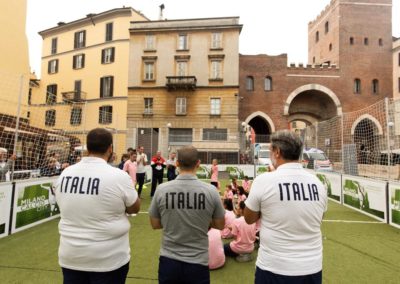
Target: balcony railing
pixel 175 83
pixel 74 97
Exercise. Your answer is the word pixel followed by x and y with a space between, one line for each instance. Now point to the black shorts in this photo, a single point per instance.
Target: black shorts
pixel 171 271
pixel 264 276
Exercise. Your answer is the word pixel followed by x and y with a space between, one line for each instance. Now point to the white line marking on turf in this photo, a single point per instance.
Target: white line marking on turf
pixel 143 212
pixel 351 221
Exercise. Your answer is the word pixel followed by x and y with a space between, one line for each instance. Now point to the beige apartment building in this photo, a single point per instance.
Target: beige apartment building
pixel 396 68
pixel 14 58
pixel 84 81
pixel 183 86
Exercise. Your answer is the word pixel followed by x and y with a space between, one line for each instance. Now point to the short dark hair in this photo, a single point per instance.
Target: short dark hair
pixel 242 205
pixel 98 140
pixel 289 144
pixel 228 204
pixel 188 157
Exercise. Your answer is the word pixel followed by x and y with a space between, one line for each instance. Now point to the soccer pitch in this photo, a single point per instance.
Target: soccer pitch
pixel 357 249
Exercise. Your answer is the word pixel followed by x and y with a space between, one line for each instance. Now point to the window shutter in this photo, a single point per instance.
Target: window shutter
pixel 83 60
pixel 101 87
pixel 56 69
pixel 112 54
pixel 111 86
pixel 48 67
pixel 84 39
pixel 103 56
pixel 74 62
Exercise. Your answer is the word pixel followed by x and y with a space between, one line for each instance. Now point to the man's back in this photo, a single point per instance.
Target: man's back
pixel 186 207
pixel 93 197
pixel 292 203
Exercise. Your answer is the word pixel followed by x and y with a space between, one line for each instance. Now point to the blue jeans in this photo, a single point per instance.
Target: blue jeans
pixel 117 276
pixel 264 276
pixel 171 271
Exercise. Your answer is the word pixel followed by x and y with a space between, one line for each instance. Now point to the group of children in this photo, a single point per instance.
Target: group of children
pixel 242 234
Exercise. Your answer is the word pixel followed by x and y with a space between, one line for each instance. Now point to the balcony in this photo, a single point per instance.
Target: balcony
pixel 74 97
pixel 177 83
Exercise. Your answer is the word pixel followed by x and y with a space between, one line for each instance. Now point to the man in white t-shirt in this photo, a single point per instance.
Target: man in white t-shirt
pixel 94 199
pixel 141 161
pixel 291 203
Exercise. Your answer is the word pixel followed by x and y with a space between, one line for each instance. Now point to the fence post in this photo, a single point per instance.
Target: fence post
pixel 389 152
pixel 342 132
pixel 21 81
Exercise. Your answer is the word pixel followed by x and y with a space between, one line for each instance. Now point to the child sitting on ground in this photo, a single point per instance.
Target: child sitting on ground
pixel 216 256
pixel 229 218
pixel 234 185
pixel 242 194
pixel 245 235
pixel 228 194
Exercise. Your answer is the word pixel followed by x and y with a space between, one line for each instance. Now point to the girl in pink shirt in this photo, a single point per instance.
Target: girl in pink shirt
pixel 244 237
pixel 214 173
pixel 130 167
pixel 242 195
pixel 246 184
pixel 216 256
pixel 229 218
pixel 228 194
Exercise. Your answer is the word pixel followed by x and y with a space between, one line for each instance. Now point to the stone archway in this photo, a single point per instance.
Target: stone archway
pixel 261 125
pixel 312 87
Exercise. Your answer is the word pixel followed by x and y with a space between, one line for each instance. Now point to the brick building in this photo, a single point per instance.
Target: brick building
pixel 350 68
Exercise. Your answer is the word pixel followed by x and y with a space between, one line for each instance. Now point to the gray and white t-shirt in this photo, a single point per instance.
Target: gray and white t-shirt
pixel 186 207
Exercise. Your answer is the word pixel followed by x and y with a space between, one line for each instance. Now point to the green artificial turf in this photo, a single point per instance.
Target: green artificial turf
pixel 353 252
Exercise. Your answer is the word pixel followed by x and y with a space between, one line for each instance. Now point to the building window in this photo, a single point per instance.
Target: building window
pixel 107 55
pixel 375 86
pixel 54 45
pixel 52 66
pixel 148 105
pixel 351 40
pixel 249 83
pixel 50 117
pixel 109 31
pixel 106 86
pixel 180 136
pixel 294 124
pixel 149 71
pixel 326 27
pixel 399 84
pixel 330 47
pixel 78 61
pixel 180 106
pixel 357 86
pixel 317 36
pixel 183 42
pixel 215 106
pixel 181 68
pixel 268 83
pixel 216 69
pixel 366 41
pixel 150 42
pixel 380 42
pixel 77 90
pixel 80 39
pixel 216 40
pixel 215 134
pixel 313 59
pixel 76 116
pixel 105 114
pixel 51 94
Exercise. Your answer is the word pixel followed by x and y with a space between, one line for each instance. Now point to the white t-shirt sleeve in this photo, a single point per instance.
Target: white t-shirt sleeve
pixel 129 193
pixel 253 202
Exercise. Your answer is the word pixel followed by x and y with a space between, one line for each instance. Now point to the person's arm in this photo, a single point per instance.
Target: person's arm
pixel 155 223
pixel 134 208
pixel 218 223
pixel 251 216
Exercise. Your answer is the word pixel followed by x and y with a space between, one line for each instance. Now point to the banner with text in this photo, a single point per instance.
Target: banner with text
pixel 34 203
pixel 365 195
pixel 394 204
pixel 5 207
pixel 332 183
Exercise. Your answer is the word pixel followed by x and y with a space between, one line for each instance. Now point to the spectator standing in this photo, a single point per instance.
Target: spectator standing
pixel 5 163
pixel 94 198
pixel 125 157
pixel 130 167
pixel 184 209
pixel 141 161
pixel 171 167
pixel 158 164
pixel 291 203
pixel 214 173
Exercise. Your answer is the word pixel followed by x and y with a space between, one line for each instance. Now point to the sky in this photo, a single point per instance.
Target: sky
pixel 270 27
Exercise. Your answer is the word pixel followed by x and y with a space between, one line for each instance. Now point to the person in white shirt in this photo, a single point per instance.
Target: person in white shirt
pixel 291 203
pixel 5 164
pixel 94 199
pixel 141 161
